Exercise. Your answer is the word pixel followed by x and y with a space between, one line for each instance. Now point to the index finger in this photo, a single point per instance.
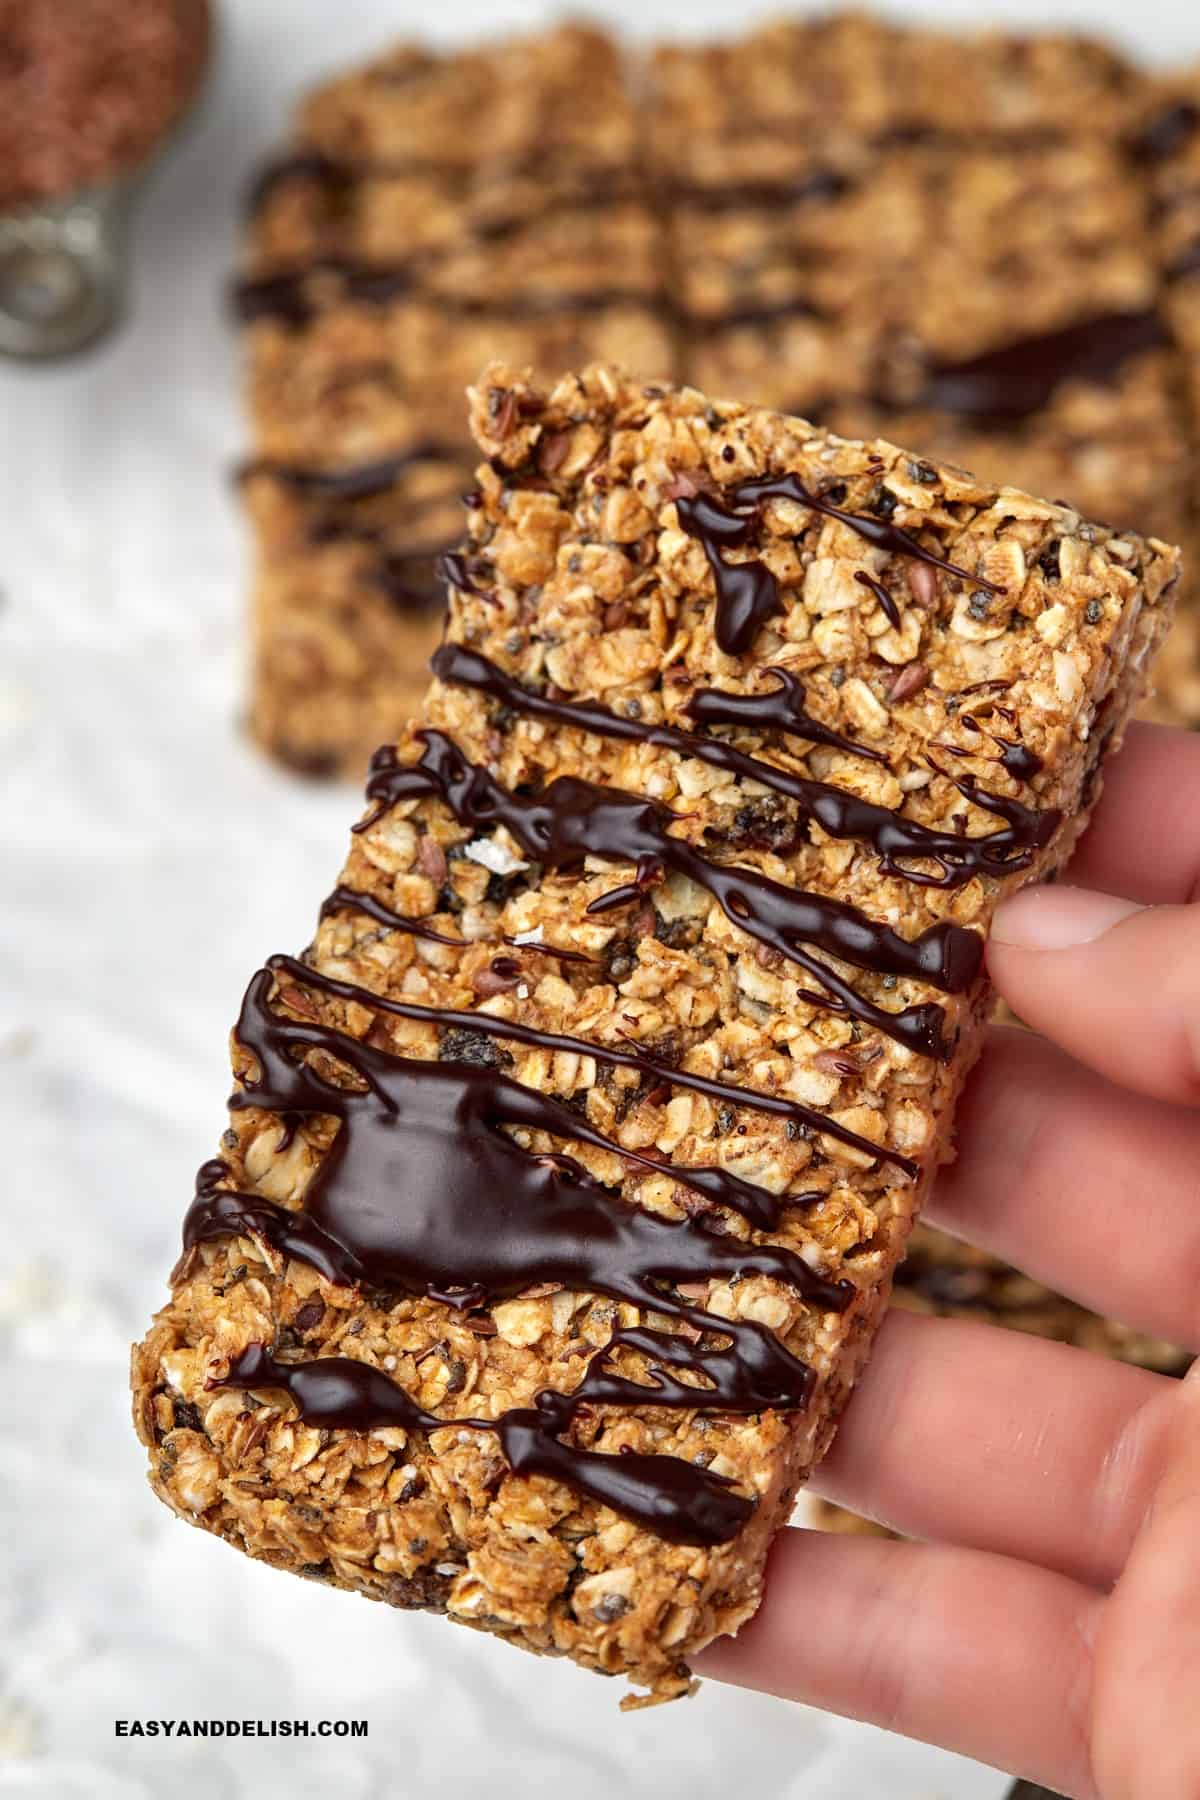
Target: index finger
pixel 1144 841
pixel 979 1653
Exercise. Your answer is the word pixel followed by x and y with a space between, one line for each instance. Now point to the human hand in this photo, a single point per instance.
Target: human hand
pixel 1047 1620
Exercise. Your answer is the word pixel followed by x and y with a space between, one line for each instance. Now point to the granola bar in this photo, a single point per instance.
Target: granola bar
pixel 436 211
pixel 799 80
pixel 646 990
pixel 835 216
pixel 349 595
pixel 1165 142
pixel 918 193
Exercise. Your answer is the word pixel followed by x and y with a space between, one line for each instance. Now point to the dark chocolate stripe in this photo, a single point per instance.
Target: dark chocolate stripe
pixel 601 189
pixel 573 819
pixel 1167 133
pixel 422 1190
pixel 676 1500
pixel 750 313
pixel 596 188
pixel 817 184
pixel 1018 379
pixel 306 163
pixel 351 481
pixel 841 814
pixel 453 570
pixel 351 899
pixel 217 1212
pixel 342 897
pixel 809 1121
pixel 879 532
pixel 1186 263
pixel 287 295
pixel 747 593
pixel 463 1100
pixel 890 609
pixel 410 581
pixel 779 709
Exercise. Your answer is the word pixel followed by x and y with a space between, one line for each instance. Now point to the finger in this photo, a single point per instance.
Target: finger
pixel 1116 985
pixel 977 1653
pixel 1149 1643
pixel 994 1441
pixel 1085 1187
pixel 1144 839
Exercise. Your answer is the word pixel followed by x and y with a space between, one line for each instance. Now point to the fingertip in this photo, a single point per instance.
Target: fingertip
pixel 1114 983
pixel 1052 918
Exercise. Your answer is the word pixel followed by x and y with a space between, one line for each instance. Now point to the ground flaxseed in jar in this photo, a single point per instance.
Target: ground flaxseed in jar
pixel 87 88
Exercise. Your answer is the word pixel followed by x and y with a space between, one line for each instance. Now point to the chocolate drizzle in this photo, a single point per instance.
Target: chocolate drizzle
pixel 1017 815
pixel 435 1101
pixel 422 1191
pixel 573 819
pixel 1167 133
pixel 589 191
pixel 747 592
pixel 879 532
pixel 410 579
pixel 890 610
pixel 453 571
pixel 290 297
pixel 674 1499
pixel 841 814
pixel 352 481
pixel 1021 764
pixel 819 184
pixel 751 313
pixel 1186 263
pixel 350 899
pixel 809 1121
pixel 343 897
pixel 293 296
pixel 780 709
pixel 306 163
pixel 1020 378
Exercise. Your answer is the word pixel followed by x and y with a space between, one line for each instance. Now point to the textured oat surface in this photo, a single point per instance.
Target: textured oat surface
pixel 581 584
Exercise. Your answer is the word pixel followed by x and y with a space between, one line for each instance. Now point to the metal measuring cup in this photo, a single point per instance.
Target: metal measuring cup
pixel 64 263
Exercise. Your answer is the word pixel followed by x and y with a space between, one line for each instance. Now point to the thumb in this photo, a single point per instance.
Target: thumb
pixel 1116 984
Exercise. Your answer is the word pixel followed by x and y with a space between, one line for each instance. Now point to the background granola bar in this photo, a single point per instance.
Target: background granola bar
pixel 441 210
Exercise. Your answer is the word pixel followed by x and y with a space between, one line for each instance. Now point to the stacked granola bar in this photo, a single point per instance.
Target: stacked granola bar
pixel 958 250
pixel 436 211
pixel 567 1169
pixel 978 245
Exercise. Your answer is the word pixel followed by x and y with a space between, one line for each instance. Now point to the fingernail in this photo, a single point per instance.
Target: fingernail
pixel 1057 918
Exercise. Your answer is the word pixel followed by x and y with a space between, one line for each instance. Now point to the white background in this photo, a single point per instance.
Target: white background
pixel 149 860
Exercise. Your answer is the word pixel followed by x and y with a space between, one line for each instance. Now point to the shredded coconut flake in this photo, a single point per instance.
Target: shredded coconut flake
pixel 494 856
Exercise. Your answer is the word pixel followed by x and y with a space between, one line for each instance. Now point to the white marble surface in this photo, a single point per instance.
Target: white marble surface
pixel 148 861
